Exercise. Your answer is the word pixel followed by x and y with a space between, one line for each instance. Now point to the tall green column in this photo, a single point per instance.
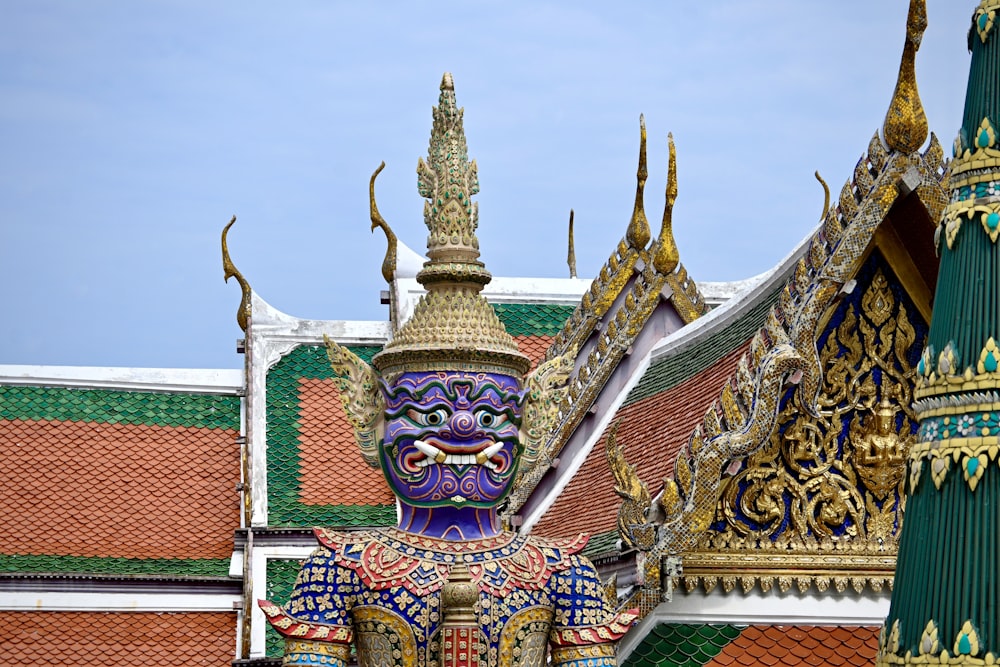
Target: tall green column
pixel 947 588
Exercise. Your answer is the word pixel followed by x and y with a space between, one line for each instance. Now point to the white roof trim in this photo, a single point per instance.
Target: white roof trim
pixel 181 380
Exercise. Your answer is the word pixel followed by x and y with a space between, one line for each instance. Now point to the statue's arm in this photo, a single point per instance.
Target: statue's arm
pixel 315 622
pixel 585 628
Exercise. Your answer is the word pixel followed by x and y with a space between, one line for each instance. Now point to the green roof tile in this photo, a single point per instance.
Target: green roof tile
pixel 280 575
pixel 533 319
pixel 284 507
pixel 202 567
pixel 119 407
pixel 682 645
pixel 601 543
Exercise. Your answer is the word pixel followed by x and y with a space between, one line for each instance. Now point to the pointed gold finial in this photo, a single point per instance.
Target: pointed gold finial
pixel 667 256
pixel 826 196
pixel 638 233
pixel 571 254
pixel 905 127
pixel 230 271
pixel 389 263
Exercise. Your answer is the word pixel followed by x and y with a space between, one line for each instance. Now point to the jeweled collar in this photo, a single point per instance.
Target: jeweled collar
pixel 388 557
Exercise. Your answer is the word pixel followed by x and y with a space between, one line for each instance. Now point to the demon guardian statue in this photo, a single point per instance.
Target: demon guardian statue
pixel 449 414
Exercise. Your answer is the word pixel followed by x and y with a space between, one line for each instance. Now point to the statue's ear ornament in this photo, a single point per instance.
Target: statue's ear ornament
pixel 544 390
pixel 360 395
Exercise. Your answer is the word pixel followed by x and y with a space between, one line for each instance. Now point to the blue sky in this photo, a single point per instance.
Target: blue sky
pixel 131 132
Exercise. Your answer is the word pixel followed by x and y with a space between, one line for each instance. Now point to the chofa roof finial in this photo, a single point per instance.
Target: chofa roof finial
pixel 905 127
pixel 638 233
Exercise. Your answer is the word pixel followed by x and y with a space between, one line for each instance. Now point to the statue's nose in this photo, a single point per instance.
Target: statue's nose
pixel 463 424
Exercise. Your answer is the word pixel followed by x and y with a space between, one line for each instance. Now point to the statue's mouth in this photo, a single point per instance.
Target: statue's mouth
pixel 486 456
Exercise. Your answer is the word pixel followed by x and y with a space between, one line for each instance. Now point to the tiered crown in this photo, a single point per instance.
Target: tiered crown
pixel 453 328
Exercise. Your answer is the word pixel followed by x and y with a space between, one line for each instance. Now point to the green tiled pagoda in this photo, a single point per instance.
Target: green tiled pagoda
pixel 945 603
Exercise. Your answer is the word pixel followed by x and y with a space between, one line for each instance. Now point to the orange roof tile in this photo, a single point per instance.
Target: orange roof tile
pixel 331 470
pixel 652 431
pixel 122 639
pixel 118 490
pixel 533 346
pixel 791 646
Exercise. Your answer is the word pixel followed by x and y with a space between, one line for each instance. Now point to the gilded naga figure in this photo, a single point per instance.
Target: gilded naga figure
pixel 450 413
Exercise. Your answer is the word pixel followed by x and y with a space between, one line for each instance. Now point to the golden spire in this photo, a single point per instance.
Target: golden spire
pixel 571 253
pixel 389 262
pixel 667 256
pixel 905 127
pixel 638 233
pixel 230 271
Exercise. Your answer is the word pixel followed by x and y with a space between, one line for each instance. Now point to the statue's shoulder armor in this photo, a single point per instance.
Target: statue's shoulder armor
pixel 389 558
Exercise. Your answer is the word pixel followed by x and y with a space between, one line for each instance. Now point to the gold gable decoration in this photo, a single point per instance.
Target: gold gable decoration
pixel 745 414
pixel 821 502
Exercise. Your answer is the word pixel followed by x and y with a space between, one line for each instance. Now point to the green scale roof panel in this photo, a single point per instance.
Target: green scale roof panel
pixel 284 506
pixel 682 645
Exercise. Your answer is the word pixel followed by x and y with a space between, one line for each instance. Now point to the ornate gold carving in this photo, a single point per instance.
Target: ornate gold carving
pixel 965 650
pixel 880 452
pixel 985 18
pixel 230 271
pixel 524 639
pixel 905 125
pixel 610 317
pixel 389 262
pixel 571 654
pixel 448 180
pixel 634 494
pixel 826 195
pixel 832 483
pixel 383 638
pixel 545 390
pixel 360 396
pixel 336 654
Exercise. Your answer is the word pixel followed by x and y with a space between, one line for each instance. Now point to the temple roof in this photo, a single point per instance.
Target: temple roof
pixel 118 482
pixel 696 645
pixel 119 638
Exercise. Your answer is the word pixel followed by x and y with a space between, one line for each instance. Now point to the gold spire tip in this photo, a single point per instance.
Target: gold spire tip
pixel 671 171
pixel 638 233
pixel 229 270
pixel 667 257
pixel 905 128
pixel 389 261
pixel 447 82
pixel 571 253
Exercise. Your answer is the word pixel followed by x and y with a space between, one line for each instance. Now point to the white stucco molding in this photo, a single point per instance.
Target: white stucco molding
pixel 97 601
pixel 273 334
pixel 180 380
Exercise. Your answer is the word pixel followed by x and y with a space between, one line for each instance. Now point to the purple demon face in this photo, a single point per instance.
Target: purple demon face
pixel 451 438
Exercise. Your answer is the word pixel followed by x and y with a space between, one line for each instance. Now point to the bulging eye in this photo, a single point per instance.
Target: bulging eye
pixel 489 420
pixel 433 418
